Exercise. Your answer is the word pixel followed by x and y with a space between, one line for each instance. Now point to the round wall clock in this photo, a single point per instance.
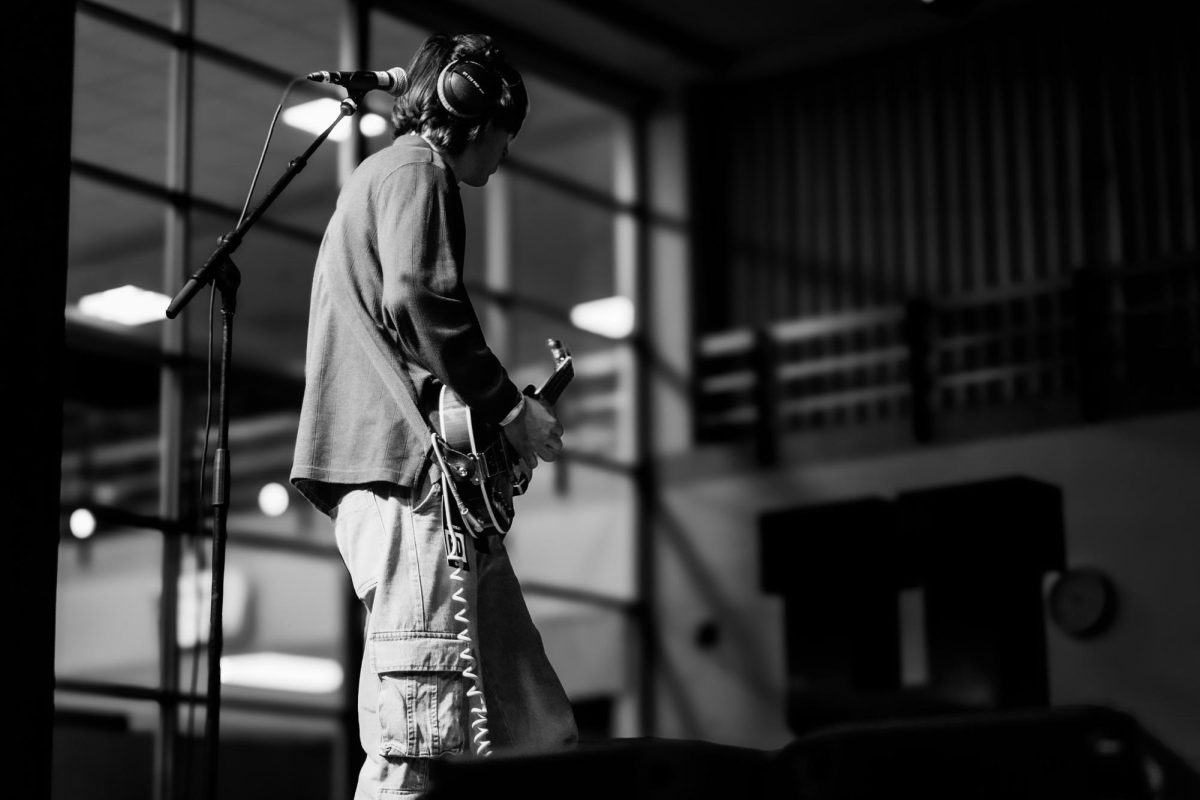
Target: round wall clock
pixel 1082 602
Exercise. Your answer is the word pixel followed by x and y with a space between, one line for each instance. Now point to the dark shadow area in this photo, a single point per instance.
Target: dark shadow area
pixel 977 552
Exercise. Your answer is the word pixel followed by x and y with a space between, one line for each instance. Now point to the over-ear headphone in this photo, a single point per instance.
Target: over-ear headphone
pixel 469 90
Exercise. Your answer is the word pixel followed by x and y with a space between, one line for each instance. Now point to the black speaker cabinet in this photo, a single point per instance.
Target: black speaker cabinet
pixel 982 550
pixel 622 769
pixel 838 566
pixel 974 554
pixel 1062 754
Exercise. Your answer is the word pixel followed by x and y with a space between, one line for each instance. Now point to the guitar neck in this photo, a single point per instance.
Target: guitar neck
pixel 555 384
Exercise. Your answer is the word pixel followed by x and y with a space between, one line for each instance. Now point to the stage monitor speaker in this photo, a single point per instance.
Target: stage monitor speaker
pixel 1084 753
pixel 629 769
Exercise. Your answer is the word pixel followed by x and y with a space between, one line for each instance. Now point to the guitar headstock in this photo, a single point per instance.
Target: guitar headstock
pixel 564 371
pixel 559 351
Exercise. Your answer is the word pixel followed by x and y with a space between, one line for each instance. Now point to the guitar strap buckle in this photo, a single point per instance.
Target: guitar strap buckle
pixel 453 534
pixel 454 463
pixel 462 467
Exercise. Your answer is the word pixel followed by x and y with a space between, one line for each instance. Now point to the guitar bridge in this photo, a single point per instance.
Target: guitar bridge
pixel 491 463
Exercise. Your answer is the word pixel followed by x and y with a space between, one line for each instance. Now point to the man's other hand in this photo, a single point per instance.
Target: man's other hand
pixel 535 433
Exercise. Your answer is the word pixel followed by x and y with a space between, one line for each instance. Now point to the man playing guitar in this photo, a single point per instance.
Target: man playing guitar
pixel 452 662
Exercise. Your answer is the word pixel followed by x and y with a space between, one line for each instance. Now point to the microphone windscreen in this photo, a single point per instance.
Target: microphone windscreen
pixel 399 81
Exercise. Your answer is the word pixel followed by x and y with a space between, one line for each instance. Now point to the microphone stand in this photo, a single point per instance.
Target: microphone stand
pixel 220 270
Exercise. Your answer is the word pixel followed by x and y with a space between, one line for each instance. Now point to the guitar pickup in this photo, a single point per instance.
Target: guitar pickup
pixel 489 464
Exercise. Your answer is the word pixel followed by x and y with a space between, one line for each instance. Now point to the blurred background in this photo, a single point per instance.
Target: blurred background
pixel 886 326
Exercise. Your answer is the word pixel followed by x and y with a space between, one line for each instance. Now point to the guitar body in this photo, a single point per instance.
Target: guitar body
pixel 481 462
pixel 478 456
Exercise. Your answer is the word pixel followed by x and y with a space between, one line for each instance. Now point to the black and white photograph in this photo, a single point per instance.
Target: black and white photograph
pixel 593 399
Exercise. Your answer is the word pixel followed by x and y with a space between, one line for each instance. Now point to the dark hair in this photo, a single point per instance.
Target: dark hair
pixel 420 110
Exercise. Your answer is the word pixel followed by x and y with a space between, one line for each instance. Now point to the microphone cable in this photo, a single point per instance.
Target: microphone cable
pixel 266 144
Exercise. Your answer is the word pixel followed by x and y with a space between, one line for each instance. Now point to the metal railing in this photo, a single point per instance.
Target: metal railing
pixel 1096 345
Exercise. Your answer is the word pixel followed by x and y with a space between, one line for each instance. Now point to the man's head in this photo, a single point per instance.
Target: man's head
pixel 459 87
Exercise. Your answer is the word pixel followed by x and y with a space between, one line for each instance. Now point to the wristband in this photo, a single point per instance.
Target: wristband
pixel 516 412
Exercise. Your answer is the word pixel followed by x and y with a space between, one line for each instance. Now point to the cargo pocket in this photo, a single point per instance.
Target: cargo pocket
pixel 422 693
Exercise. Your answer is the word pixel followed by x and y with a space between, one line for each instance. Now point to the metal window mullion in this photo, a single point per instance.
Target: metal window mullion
pixel 353 51
pixel 645 487
pixel 172 435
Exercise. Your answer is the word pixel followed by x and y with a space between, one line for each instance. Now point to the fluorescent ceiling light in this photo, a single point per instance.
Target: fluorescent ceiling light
pixel 317 115
pixel 126 305
pixel 609 316
pixel 282 672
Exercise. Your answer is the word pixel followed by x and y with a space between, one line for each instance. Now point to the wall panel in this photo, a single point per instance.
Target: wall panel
pixel 1008 156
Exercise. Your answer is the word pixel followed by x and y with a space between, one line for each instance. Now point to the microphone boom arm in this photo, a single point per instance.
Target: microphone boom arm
pixel 229 242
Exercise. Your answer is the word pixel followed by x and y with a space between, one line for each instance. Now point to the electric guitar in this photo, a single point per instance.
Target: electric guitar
pixel 479 458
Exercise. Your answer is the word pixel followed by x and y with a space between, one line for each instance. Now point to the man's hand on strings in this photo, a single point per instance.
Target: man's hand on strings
pixel 535 434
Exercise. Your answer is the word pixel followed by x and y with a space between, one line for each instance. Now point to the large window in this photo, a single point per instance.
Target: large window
pixel 172 107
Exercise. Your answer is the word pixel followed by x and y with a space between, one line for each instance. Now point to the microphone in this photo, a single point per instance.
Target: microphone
pixel 394 81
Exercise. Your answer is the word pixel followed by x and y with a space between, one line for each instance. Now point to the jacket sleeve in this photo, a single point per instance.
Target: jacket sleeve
pixel 420 237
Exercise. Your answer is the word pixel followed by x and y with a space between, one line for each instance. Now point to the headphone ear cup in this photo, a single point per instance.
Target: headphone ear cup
pixel 468 89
